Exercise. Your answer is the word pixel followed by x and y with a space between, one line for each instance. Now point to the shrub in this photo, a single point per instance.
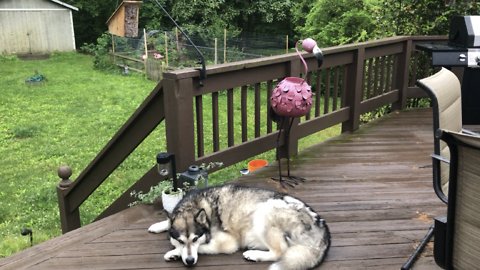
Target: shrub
pixel 101 52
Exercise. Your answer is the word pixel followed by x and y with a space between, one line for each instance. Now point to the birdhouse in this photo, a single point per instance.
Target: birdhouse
pixel 124 21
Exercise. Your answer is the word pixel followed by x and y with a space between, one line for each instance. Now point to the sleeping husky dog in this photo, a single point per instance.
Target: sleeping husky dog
pixel 271 227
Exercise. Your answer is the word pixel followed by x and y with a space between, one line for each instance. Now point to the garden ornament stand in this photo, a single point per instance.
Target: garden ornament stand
pixel 292 97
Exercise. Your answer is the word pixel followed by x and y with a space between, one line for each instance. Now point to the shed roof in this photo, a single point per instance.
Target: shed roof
pixel 121 4
pixel 65 4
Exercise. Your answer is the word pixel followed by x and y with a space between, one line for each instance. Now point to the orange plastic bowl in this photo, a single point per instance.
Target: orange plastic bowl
pixel 256 164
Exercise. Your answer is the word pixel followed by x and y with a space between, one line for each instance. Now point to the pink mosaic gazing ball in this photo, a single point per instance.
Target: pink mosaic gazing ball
pixel 291 97
pixel 308 44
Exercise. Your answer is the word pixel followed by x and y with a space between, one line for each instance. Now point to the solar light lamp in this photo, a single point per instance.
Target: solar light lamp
pixel 166 166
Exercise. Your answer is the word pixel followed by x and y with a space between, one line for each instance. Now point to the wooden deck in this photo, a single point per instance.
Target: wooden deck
pixel 373 187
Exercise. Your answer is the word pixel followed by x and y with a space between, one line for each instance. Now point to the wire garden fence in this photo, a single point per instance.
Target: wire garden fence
pixel 156 51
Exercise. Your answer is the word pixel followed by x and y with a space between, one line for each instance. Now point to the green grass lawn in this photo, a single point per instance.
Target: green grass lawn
pixel 68 120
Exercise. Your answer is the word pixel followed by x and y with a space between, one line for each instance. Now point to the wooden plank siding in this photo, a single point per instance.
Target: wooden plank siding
pixel 373 186
pixel 36 26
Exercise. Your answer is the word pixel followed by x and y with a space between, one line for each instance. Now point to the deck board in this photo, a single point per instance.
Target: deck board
pixel 372 186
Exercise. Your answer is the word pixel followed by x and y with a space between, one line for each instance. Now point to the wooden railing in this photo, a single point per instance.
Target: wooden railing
pixel 354 79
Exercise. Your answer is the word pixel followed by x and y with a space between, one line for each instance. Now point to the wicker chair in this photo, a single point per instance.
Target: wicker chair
pixel 461 246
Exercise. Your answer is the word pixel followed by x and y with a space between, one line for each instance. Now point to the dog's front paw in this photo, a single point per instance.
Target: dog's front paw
pixel 172 255
pixel 260 256
pixel 160 227
pixel 253 255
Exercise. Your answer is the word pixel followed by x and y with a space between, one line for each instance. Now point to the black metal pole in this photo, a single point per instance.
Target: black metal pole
pixel 174 173
pixel 203 72
pixel 411 260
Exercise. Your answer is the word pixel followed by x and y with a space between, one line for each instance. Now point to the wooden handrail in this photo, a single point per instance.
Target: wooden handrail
pixel 357 78
pixel 131 134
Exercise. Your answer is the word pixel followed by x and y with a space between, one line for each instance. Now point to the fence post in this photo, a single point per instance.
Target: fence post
pixel 286 44
pixel 401 80
pixel 225 45
pixel 179 119
pixel 69 220
pixel 146 51
pixel 166 48
pixel 354 90
pixel 216 51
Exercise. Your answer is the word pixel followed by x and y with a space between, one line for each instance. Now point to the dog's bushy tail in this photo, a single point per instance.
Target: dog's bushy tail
pixel 306 251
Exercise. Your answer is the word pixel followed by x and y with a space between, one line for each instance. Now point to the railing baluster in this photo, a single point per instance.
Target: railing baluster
pixel 376 90
pixel 269 93
pixel 243 108
pixel 395 69
pixel 344 87
pixel 309 81
pixel 318 93
pixel 326 95
pixel 257 110
pixel 382 75
pixel 200 130
pixel 215 126
pixel 388 85
pixel 414 65
pixel 370 84
pixel 335 89
pixel 230 118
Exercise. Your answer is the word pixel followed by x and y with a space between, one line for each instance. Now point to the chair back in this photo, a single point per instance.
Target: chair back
pixel 463 216
pixel 444 89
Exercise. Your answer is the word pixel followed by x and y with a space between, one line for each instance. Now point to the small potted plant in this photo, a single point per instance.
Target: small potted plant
pixel 171 197
pixel 167 189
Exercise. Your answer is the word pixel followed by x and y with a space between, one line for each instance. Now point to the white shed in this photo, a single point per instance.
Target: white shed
pixel 36 26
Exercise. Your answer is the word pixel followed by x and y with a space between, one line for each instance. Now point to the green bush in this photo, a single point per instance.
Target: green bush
pixel 334 22
pixel 101 52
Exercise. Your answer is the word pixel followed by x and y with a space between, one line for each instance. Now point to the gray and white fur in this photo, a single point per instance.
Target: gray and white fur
pixel 270 226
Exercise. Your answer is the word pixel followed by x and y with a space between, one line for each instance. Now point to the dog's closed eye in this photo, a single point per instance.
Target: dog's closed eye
pixel 180 241
pixel 195 239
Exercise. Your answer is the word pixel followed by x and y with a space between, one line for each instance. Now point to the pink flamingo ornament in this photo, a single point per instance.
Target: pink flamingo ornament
pixel 292 97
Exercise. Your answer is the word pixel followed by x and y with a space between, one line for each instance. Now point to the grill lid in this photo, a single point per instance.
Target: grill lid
pixel 464 31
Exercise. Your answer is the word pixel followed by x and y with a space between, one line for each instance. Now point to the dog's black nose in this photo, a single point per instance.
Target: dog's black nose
pixel 190 261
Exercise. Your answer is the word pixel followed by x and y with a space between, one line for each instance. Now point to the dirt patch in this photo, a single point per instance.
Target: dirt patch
pixel 31 56
pixel 424 217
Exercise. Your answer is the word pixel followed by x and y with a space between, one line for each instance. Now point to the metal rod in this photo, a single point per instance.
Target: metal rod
pixel 411 260
pixel 203 72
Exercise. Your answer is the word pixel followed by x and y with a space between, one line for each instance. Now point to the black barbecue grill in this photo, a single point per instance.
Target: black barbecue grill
pixel 462 50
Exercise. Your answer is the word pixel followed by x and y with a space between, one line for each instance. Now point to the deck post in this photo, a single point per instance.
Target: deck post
pixel 401 80
pixel 179 120
pixel 353 96
pixel 69 219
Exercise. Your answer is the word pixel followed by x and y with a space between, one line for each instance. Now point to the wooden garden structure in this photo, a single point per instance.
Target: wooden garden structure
pixel 124 20
pixel 372 183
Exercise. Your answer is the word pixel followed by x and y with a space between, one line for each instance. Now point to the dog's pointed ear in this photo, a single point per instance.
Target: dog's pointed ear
pixel 202 218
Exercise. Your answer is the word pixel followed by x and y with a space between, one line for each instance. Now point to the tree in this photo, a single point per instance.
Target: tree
pixel 90 20
pixel 211 17
pixel 426 17
pixel 334 22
